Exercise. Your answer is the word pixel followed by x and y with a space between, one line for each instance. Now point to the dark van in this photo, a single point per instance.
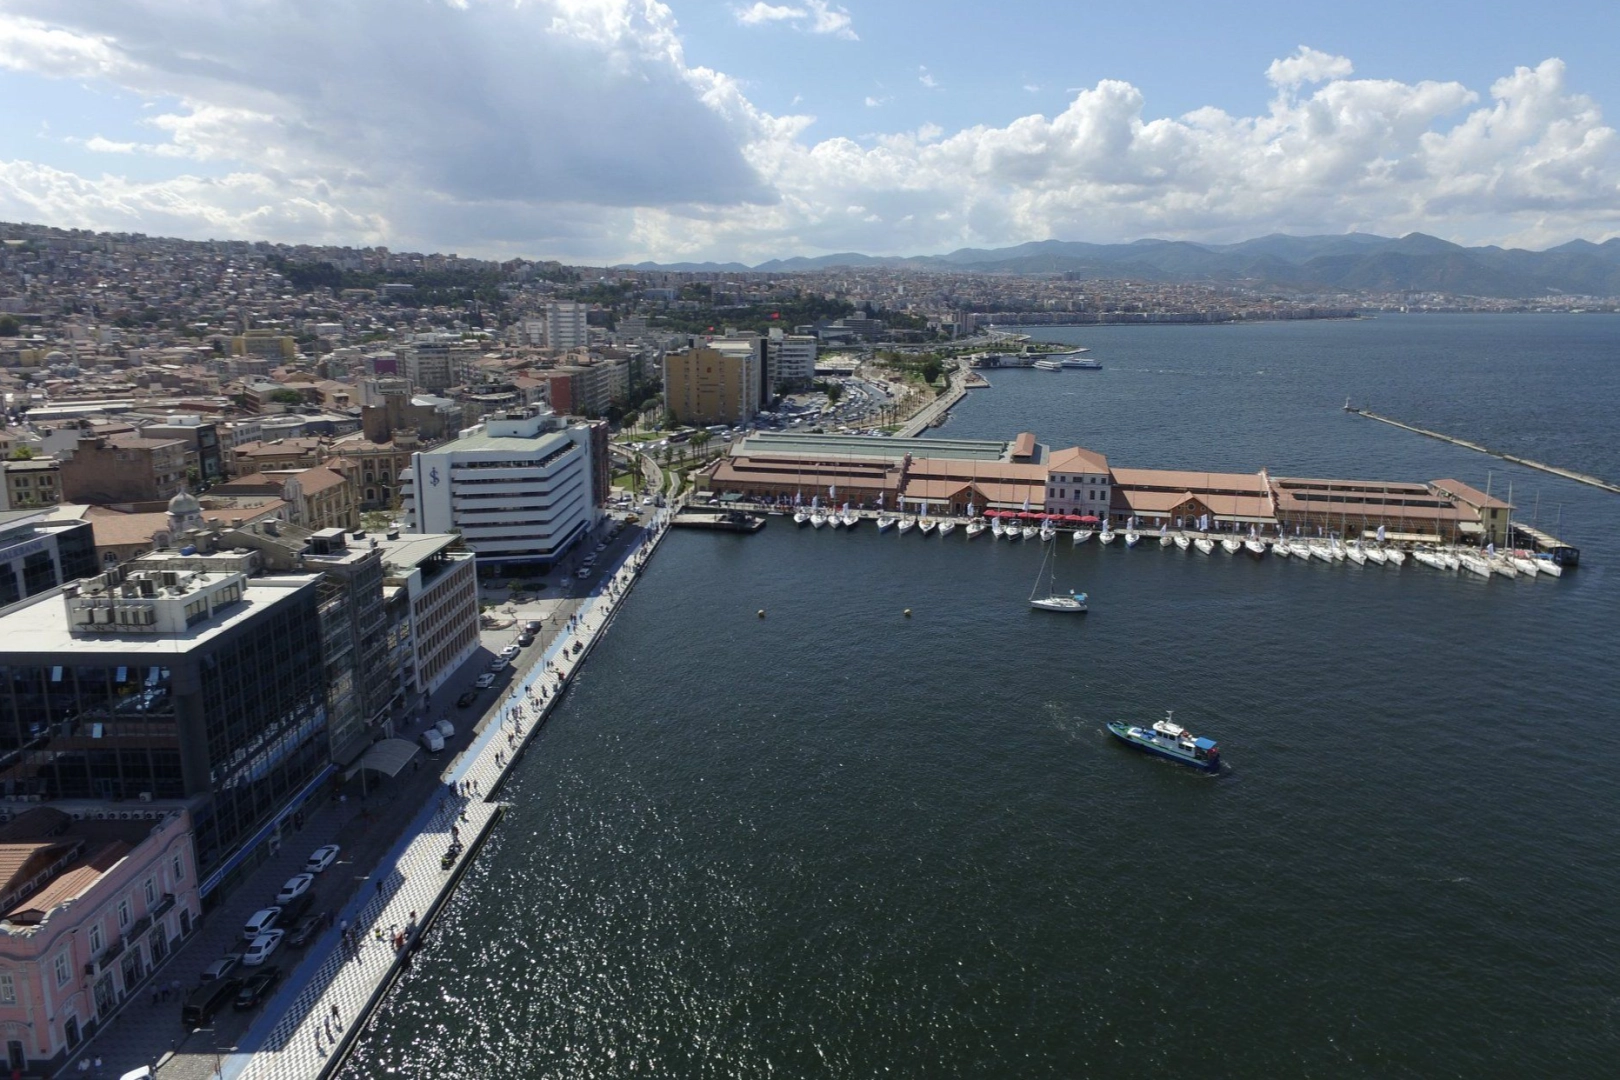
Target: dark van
pixel 206 1000
pixel 296 908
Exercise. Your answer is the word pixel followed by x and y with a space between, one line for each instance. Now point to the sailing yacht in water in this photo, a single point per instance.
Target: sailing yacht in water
pixel 1051 600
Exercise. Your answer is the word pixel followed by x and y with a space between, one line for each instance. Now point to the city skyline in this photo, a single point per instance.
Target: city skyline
pixel 605 132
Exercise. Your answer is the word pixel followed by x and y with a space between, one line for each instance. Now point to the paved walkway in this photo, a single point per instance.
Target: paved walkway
pixel 304 1029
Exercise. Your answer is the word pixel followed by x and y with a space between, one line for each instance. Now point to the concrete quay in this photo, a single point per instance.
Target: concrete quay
pixel 935 411
pixel 312 1023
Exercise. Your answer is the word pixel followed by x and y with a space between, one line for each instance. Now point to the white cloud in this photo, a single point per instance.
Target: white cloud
pixel 576 129
pixel 1031 88
pixel 816 17
pixel 874 102
pixel 925 77
pixel 762 12
pixel 1308 65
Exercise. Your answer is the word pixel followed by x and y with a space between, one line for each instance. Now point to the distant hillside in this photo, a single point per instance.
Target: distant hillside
pixel 1354 261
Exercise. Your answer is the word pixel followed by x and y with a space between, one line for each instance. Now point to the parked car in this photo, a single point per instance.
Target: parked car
pixel 305 931
pixel 257 987
pixel 445 728
pixel 531 627
pixel 525 640
pixel 321 858
pixel 467 698
pixel 220 968
pixel 260 922
pixel 432 741
pixel 485 681
pixel 296 886
pixel 263 945
pixel 582 573
pixel 498 664
pixel 511 651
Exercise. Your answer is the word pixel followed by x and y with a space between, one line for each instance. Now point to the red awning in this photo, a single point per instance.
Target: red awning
pixel 1086 519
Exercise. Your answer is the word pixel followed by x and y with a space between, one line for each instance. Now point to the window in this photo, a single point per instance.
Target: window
pixel 123 914
pixel 96 940
pixel 151 892
pixel 8 989
pixel 179 870
pixel 64 970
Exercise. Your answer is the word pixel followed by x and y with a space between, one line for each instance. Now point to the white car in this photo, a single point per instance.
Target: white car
pixel 498 664
pixel 582 574
pixel 321 858
pixel 262 921
pixel 263 945
pixel 484 681
pixel 511 651
pixel 296 886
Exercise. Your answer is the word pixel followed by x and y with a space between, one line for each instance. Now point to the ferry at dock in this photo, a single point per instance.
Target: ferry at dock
pixel 1169 739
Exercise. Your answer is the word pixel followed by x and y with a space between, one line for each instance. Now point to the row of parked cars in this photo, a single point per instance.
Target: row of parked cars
pixel 291 920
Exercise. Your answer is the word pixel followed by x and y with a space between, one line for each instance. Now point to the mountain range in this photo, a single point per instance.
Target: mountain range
pixel 1352 262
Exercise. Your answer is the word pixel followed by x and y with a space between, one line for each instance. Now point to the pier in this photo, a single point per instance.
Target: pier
pixel 1555 470
pixel 292 1040
pixel 933 414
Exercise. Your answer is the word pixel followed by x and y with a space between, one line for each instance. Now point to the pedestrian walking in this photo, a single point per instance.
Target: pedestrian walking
pixel 336 1018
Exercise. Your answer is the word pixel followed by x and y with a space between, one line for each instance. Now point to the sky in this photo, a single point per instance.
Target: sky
pixel 604 131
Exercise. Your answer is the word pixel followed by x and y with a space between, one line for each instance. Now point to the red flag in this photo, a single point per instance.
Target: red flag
pixel 776 314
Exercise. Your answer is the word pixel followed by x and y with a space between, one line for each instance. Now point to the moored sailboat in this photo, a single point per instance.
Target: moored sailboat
pixel 1074 603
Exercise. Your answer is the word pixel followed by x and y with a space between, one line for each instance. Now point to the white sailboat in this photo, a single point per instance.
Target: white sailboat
pixel 1132 537
pixel 1082 534
pixel 1396 556
pixel 975 527
pixel 885 522
pixel 1165 539
pixel 1106 536
pixel 1048 598
pixel 907 524
pixel 947 526
pixel 1376 554
pixel 1205 545
pixel 1029 532
pixel 1474 564
pixel 1183 541
pixel 1231 545
pixel 801 516
pixel 1357 556
pixel 1048 531
pixel 997 530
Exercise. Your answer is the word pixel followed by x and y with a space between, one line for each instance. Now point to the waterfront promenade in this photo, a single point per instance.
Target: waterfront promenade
pixel 311 1022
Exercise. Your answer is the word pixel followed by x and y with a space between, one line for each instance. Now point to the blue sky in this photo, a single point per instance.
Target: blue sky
pixel 605 130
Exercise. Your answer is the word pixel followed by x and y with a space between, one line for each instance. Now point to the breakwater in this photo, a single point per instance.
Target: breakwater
pixel 1540 466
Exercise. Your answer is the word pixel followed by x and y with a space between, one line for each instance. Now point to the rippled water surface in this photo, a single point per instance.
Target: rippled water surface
pixel 843 842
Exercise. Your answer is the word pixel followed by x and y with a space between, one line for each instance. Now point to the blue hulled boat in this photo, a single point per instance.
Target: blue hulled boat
pixel 1170 740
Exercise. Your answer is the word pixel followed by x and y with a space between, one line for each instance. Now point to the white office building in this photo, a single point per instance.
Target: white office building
pixel 517 487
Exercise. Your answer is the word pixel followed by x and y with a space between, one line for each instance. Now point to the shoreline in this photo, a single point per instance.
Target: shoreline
pixel 411 879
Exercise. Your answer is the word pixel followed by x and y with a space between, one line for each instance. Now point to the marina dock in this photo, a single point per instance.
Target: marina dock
pixel 292 1040
pixel 1555 470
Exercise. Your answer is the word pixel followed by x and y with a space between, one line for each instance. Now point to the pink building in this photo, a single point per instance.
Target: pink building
pixel 93 900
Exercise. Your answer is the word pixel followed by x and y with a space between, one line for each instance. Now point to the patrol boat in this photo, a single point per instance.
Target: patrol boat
pixel 1169 739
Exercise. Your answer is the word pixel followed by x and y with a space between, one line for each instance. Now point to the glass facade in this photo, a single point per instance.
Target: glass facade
pixel 240 717
pixel 89 731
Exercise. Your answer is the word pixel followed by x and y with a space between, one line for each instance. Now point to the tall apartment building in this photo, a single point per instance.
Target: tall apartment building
pixel 170 684
pixel 433 587
pixel 518 488
pixel 566 325
pixel 790 361
pixel 707 385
